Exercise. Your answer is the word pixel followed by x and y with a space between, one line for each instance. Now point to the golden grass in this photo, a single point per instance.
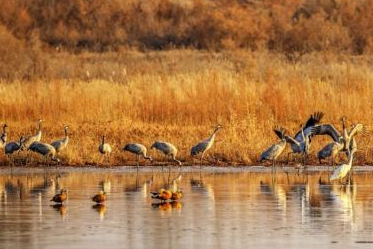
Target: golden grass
pixel 178 96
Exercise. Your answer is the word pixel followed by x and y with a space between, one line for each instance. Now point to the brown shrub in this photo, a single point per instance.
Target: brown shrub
pixel 284 26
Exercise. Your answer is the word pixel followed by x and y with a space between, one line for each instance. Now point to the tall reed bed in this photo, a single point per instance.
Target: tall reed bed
pixel 160 96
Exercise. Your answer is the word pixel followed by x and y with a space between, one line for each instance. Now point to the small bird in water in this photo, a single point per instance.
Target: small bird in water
pixel 177 195
pixel 100 197
pixel 61 197
pixel 162 194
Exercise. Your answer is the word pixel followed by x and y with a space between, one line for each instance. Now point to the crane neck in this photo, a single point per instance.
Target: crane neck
pixel 103 139
pixel 344 128
pixel 302 132
pixel 66 133
pixel 212 137
pixel 351 157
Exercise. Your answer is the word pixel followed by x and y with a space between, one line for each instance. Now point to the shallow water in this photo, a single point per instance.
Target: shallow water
pixel 218 210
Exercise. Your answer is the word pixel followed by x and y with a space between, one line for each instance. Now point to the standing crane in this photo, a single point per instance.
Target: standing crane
pixel 346 138
pixel 343 169
pixel 138 150
pixel 168 150
pixel 4 136
pixel 276 149
pixel 60 145
pixel 104 148
pixel 12 147
pixel 205 145
pixel 330 150
pixel 44 149
pixel 298 143
pixel 36 138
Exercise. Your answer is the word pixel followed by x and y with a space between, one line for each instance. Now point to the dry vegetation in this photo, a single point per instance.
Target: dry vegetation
pixel 179 95
pixel 246 64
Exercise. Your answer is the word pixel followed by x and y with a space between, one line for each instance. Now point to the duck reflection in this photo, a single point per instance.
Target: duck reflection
pixel 60 208
pixel 101 209
pixel 167 206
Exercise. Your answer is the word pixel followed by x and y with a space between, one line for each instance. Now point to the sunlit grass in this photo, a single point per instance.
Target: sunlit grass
pixel 247 93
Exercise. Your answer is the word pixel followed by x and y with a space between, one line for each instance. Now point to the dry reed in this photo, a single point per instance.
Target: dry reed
pixel 178 96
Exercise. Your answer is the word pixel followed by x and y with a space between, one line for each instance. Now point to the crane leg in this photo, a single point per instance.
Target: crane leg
pixel 201 161
pixel 288 158
pixel 10 160
pixel 304 159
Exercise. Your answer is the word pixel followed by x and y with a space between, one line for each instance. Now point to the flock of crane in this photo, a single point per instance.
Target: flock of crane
pixel 300 144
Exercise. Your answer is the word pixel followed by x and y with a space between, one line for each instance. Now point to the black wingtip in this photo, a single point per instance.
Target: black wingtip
pixel 314 119
pixel 318 116
pixel 280 131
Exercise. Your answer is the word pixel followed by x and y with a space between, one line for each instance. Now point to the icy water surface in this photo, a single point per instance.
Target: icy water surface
pixel 218 210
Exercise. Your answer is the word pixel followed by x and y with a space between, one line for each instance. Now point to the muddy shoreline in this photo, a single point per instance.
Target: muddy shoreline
pixel 174 169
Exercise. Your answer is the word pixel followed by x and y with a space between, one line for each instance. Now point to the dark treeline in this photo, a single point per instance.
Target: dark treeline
pixel 288 26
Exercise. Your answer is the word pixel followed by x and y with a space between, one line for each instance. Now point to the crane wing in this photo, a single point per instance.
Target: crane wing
pixel 357 128
pixel 325 129
pixel 313 120
pixel 280 131
pixel 291 140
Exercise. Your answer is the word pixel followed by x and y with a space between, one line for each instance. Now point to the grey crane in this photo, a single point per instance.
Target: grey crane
pixel 344 169
pixel 12 147
pixel 298 143
pixel 346 138
pixel 204 145
pixel 276 149
pixel 138 150
pixel 60 145
pixel 300 146
pixel 44 149
pixel 168 150
pixel 330 150
pixel 104 148
pixel 31 139
pixel 4 136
